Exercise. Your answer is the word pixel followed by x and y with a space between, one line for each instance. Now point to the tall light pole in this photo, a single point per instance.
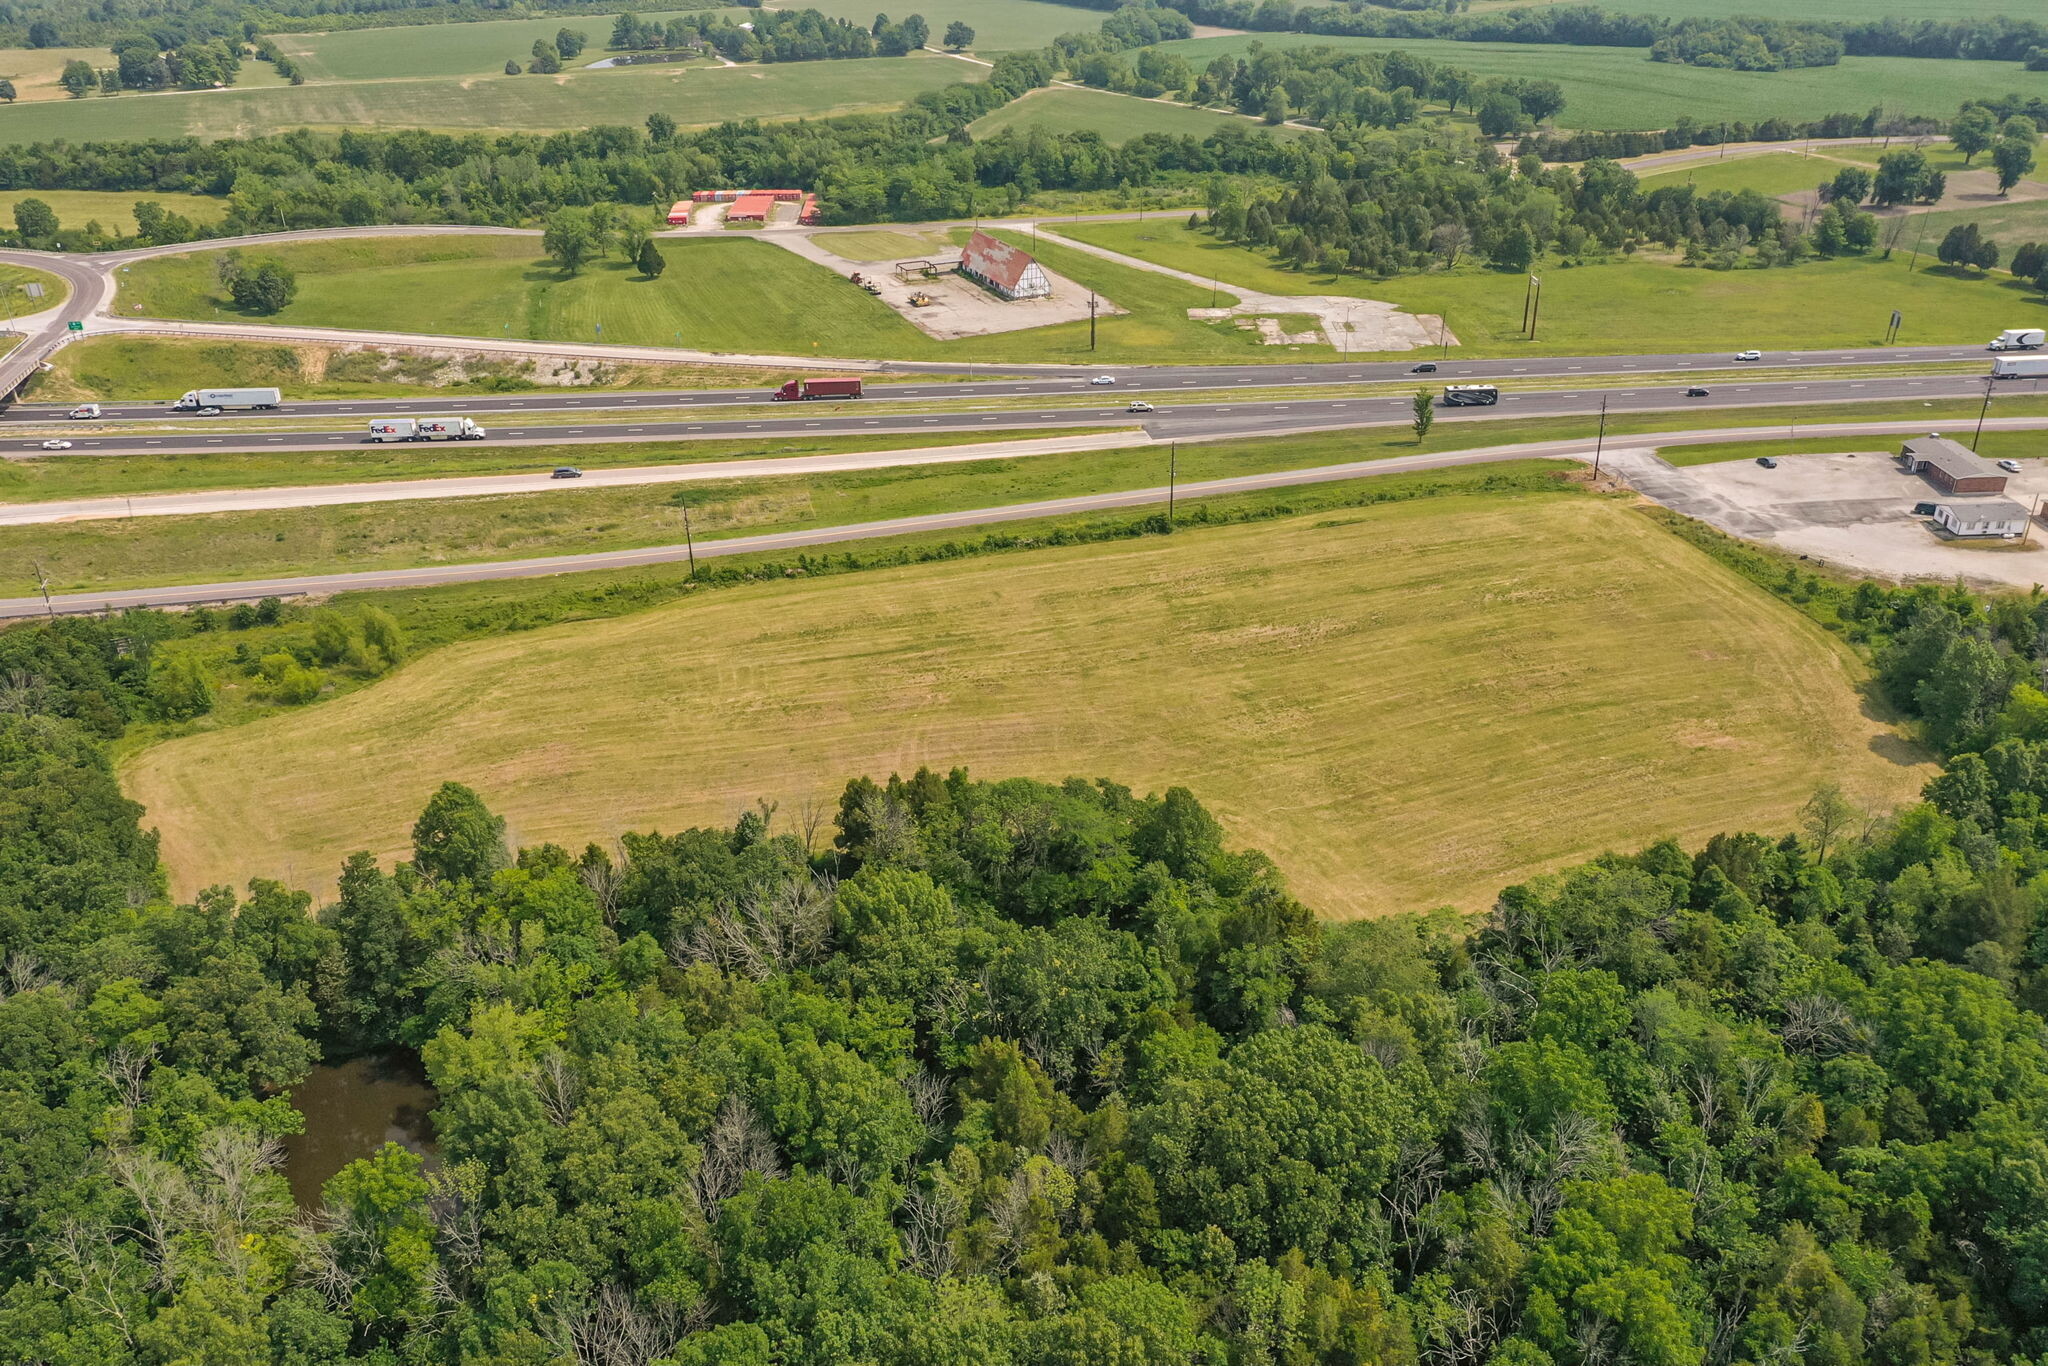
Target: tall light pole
pixel 1989 380
pixel 1091 320
pixel 1172 474
pixel 1600 441
pixel 689 541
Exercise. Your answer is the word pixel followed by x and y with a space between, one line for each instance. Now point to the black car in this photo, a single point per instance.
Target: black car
pixel 1428 367
pixel 1923 509
pixel 566 472
pixel 1767 462
pixel 1697 391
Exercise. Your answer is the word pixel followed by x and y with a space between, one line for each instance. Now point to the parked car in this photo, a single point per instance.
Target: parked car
pixel 1697 391
pixel 566 472
pixel 2009 466
pixel 1428 367
pixel 1767 462
pixel 1749 355
pixel 1923 509
pixel 1103 379
pixel 55 445
pixel 1139 405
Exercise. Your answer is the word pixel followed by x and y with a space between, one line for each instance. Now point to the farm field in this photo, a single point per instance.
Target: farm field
pixel 443 49
pixel 693 96
pixel 1294 674
pixel 1838 11
pixel 999 25
pixel 115 209
pixel 1628 305
pixel 1621 88
pixel 726 293
pixel 34 70
pixel 1118 118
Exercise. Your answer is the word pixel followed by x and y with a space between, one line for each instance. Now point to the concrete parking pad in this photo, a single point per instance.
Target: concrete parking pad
pixel 959 307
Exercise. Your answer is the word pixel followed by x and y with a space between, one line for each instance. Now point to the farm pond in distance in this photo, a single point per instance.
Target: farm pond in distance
pixel 352 1110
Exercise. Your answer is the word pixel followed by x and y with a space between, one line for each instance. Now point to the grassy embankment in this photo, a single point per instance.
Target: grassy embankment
pixel 137 368
pixel 1995 445
pixel 1620 87
pixel 1340 689
pixel 694 96
pixel 1629 305
pixel 15 304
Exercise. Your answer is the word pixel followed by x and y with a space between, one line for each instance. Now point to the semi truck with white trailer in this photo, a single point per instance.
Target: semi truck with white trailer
pixel 196 399
pixel 426 429
pixel 2020 367
pixel 2019 339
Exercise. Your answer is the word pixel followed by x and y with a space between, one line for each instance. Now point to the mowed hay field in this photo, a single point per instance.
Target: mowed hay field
pixel 1840 11
pixel 1620 87
pixel 368 54
pixel 693 96
pixel 114 210
pixel 1406 706
pixel 999 25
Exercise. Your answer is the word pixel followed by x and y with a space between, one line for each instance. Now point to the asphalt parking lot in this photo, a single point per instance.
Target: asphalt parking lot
pixel 1854 509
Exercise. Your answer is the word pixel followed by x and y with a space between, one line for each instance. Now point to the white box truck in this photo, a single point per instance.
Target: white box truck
pixel 393 429
pixel 2019 339
pixel 448 429
pixel 196 399
pixel 2020 367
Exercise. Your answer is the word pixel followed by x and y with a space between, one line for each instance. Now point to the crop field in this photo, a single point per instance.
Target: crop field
pixel 1341 691
pixel 720 293
pixel 443 49
pixel 114 209
pixel 693 96
pixel 1118 118
pixel 1629 305
pixel 1615 87
pixel 34 70
pixel 1840 11
pixel 999 25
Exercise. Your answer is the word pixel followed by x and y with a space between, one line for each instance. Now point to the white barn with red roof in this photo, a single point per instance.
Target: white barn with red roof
pixel 1012 273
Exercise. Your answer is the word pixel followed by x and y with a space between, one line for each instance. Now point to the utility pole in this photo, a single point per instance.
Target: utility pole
pixel 1091 320
pixel 43 582
pixel 1443 334
pixel 1600 442
pixel 1528 289
pixel 1983 412
pixel 689 542
pixel 1536 310
pixel 1918 238
pixel 1172 474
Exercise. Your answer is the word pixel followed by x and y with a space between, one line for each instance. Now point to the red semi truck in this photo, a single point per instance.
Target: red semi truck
pixel 819 388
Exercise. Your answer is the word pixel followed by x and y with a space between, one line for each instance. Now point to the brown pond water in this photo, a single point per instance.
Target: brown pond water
pixel 351 1111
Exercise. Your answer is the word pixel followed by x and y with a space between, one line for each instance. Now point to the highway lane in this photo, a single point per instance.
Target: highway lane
pixel 321 584
pixel 1251 416
pixel 1130 379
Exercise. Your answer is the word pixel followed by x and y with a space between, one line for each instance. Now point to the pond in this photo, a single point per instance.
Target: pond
pixel 352 1109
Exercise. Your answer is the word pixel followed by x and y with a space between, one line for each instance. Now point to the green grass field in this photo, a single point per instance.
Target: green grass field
pixel 1294 674
pixel 999 25
pixel 1118 118
pixel 1630 305
pixel 693 96
pixel 1771 173
pixel 730 294
pixel 1613 87
pixel 114 210
pixel 443 49
pixel 1843 11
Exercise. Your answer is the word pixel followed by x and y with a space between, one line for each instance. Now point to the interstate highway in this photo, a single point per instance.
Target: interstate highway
pixel 1247 417
pixel 1130 380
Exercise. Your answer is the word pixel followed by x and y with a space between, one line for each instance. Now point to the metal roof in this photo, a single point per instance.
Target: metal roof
pixel 1001 264
pixel 1951 458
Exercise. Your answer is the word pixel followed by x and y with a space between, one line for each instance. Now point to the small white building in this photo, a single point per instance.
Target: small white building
pixel 1981 517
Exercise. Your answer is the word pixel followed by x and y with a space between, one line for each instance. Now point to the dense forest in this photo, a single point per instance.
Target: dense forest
pixel 1012 1074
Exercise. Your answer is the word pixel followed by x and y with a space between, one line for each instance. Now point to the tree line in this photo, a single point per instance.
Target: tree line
pixel 1023 1074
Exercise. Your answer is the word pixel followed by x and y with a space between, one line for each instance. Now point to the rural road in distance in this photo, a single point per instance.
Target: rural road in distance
pixel 1248 417
pixel 247 590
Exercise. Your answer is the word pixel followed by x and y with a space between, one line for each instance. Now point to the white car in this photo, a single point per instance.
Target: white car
pixel 55 445
pixel 1139 405
pixel 1103 379
pixel 209 412
pixel 2009 466
pixel 1749 355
